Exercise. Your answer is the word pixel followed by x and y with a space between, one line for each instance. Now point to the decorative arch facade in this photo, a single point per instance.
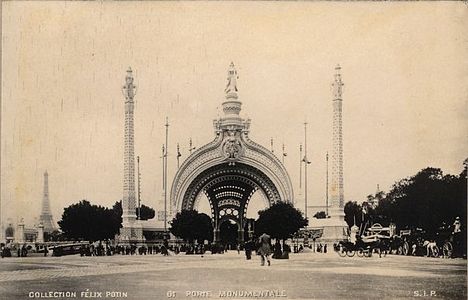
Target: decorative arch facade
pixel 230 169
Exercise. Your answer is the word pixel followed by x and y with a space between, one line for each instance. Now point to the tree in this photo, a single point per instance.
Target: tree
pixel 190 225
pixel 426 200
pixel 117 211
pixel 353 213
pixel 83 221
pixel 281 220
pixel 204 228
pixel 146 212
pixel 320 215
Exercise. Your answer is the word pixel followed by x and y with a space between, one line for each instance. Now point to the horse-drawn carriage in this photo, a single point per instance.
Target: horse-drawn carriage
pixel 451 244
pixel 417 242
pixel 376 239
pixel 445 241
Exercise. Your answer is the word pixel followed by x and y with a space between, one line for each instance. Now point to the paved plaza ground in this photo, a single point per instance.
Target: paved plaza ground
pixel 304 276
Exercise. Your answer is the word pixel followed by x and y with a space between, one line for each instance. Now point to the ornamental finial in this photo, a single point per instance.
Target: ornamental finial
pixel 231 86
pixel 337 84
pixel 129 88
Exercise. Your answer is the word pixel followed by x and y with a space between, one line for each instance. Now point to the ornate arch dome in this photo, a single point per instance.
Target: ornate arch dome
pixel 233 152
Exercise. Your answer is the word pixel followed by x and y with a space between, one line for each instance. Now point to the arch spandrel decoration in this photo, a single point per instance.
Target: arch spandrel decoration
pixel 214 154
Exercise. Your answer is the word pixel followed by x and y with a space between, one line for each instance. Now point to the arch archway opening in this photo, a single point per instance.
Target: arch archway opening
pixel 229 234
pixel 225 191
pixel 257 202
pixel 202 205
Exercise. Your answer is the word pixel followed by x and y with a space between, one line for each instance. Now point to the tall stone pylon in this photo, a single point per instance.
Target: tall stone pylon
pixel 337 229
pixel 336 186
pixel 131 230
pixel 46 218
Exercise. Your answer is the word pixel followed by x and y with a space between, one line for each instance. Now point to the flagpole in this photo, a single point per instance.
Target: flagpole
pixel 300 167
pixel 190 146
pixel 326 207
pixel 271 143
pixel 284 154
pixel 165 176
pixel 139 203
pixel 162 158
pixel 178 155
pixel 306 161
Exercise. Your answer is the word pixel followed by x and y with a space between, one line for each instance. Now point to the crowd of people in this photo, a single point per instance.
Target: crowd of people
pixel 280 250
pixel 261 246
pixel 21 250
pixel 107 249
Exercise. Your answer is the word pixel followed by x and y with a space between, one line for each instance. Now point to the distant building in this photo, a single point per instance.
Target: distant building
pixel 46 218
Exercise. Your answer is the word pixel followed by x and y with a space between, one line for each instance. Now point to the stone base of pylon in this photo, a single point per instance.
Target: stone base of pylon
pixel 335 233
pixel 131 234
pixel 335 228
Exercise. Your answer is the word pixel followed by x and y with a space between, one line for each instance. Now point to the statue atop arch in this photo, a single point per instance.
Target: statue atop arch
pixel 232 80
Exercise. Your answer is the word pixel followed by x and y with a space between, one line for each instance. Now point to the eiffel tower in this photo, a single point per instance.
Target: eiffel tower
pixel 46 216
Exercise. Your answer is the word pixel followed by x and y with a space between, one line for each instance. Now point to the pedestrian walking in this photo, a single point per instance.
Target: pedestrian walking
pixel 24 251
pixel 248 247
pixel 265 248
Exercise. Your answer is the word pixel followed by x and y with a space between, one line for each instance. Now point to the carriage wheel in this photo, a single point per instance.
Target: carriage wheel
pixel 447 249
pixel 360 252
pixel 341 252
pixel 405 248
pixel 383 253
pixel 350 253
pixel 400 250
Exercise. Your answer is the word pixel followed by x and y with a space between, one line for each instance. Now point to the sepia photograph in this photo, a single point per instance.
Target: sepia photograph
pixel 233 150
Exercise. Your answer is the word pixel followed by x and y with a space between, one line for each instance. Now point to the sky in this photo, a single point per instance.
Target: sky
pixel 404 66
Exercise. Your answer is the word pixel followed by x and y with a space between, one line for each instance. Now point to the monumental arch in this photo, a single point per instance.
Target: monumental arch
pixel 230 169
